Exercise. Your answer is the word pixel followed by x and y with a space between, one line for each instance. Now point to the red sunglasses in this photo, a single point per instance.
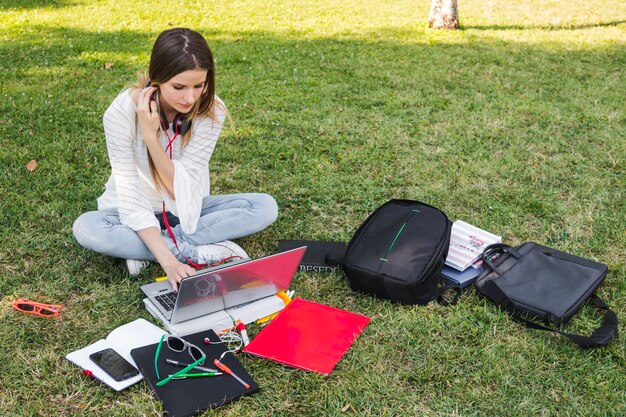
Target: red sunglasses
pixel 38 309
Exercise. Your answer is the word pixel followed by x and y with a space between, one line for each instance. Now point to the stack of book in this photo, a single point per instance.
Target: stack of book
pixel 467 243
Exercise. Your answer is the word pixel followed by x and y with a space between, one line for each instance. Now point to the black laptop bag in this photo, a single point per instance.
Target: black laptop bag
pixel 398 253
pixel 533 283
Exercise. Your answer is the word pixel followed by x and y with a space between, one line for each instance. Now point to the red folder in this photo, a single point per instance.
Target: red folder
pixel 308 335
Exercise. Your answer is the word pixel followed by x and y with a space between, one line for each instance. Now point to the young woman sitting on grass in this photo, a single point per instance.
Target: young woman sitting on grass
pixel 160 136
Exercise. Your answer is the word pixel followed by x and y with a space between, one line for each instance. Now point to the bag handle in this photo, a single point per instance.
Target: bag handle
pixel 600 336
pixel 498 248
pixel 442 290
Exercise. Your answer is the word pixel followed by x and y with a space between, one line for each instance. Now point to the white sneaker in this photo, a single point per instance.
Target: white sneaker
pixel 135 266
pixel 220 251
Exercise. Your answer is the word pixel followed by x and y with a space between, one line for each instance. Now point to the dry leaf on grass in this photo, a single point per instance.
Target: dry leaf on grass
pixel 347 407
pixel 108 65
pixel 32 165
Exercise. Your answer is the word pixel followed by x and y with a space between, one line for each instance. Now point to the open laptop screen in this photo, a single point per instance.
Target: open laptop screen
pixel 241 282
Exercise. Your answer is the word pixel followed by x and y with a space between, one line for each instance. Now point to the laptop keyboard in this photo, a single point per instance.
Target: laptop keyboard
pixel 167 300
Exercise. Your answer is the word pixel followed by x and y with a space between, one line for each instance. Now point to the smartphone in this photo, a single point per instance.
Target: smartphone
pixel 114 364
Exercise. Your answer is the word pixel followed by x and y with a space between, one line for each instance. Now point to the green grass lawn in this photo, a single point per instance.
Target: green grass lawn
pixel 516 123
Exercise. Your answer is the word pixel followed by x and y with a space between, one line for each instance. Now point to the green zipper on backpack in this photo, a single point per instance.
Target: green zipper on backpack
pixel 398 235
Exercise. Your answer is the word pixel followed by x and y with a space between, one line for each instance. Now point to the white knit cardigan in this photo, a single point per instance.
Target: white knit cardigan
pixel 130 188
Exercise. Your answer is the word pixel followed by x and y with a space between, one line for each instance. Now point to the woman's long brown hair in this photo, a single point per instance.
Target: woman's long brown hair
pixel 175 51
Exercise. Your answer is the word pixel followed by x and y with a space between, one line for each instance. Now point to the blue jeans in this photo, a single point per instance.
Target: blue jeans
pixel 223 217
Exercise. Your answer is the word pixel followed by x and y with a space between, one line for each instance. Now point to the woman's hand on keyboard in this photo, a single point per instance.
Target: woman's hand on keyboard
pixel 176 271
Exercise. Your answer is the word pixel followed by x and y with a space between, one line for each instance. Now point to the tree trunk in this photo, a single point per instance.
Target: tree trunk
pixel 443 15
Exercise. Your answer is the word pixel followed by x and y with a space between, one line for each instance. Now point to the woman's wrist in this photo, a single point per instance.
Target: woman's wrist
pixel 167 260
pixel 150 138
pixel 152 238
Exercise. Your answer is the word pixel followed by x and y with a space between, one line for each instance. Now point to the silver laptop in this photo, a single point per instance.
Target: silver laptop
pixel 224 286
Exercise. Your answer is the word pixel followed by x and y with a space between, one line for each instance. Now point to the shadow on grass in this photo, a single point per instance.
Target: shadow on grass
pixel 544 27
pixel 36 4
pixel 521 139
pixel 424 119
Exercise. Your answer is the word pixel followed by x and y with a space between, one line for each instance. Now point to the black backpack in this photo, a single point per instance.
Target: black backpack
pixel 398 253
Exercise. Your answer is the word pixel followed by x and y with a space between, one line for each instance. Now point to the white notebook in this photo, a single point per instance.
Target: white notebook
pixel 123 339
pixel 223 319
pixel 218 321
